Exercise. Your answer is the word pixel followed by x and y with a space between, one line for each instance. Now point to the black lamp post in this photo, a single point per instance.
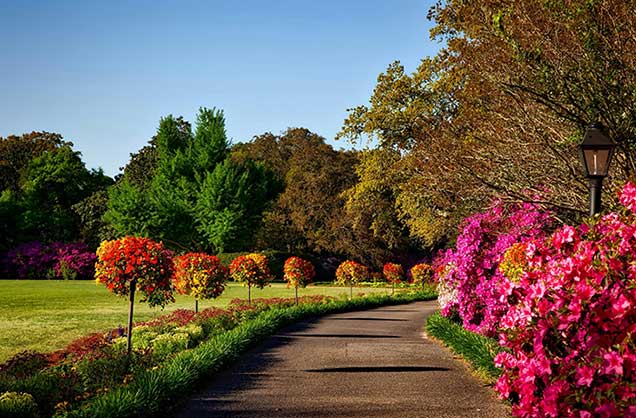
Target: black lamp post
pixel 596 150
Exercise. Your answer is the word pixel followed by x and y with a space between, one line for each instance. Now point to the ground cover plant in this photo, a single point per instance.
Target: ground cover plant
pixel 568 304
pixel 91 373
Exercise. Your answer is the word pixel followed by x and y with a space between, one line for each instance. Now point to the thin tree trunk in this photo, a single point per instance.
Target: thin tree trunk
pixel 350 291
pixel 392 288
pixel 249 294
pixel 296 295
pixel 133 285
pixel 196 306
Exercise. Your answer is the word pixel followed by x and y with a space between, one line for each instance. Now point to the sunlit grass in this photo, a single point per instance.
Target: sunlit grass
pixel 45 315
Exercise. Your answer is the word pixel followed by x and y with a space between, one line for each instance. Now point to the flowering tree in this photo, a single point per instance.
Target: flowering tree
pixel 199 275
pixel 134 264
pixel 251 270
pixel 393 273
pixel 298 273
pixel 569 338
pixel 422 273
pixel 349 272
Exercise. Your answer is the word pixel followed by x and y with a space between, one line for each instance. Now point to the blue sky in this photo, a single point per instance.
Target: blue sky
pixel 103 73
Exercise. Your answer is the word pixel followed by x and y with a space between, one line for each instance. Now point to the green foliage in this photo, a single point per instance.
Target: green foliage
pixel 232 200
pixel 478 350
pixel 90 211
pixel 17 405
pixel 196 198
pixel 129 210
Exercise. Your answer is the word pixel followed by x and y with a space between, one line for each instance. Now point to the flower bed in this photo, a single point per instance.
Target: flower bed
pixel 568 317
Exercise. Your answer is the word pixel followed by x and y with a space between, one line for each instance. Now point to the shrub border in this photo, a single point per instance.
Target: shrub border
pixel 154 391
pixel 479 351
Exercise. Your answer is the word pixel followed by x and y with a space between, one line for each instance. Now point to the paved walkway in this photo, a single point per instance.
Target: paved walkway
pixel 374 363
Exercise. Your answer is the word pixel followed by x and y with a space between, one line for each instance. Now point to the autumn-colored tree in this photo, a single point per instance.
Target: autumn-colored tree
pixel 199 275
pixel 298 273
pixel 422 274
pixel 349 273
pixel 393 273
pixel 308 215
pixel 500 110
pixel 133 264
pixel 252 270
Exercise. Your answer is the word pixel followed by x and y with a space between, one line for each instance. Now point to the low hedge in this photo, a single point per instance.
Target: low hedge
pixel 478 350
pixel 152 392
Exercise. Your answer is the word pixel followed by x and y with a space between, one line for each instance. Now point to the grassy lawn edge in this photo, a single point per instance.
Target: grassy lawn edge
pixel 478 351
pixel 155 391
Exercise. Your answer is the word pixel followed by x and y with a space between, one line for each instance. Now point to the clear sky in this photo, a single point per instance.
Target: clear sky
pixel 103 73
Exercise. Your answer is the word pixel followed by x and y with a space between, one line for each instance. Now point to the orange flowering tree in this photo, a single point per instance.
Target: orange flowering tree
pixel 134 264
pixel 349 273
pixel 298 273
pixel 252 270
pixel 199 275
pixel 393 273
pixel 422 273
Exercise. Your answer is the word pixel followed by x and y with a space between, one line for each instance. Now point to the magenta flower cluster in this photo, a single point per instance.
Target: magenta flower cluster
pixel 35 260
pixel 571 336
pixel 469 271
pixel 565 309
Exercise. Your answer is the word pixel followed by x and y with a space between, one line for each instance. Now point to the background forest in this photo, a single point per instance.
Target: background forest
pixel 498 112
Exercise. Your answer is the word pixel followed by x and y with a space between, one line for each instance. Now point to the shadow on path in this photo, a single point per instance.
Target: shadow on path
pixel 380 369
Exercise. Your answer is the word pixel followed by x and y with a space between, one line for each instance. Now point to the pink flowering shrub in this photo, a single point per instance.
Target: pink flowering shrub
pixel 469 281
pixel 569 332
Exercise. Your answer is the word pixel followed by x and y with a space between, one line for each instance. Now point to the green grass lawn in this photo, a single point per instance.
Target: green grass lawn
pixel 45 315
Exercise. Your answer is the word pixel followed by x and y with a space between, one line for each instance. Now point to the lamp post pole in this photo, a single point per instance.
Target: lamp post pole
pixel 596 184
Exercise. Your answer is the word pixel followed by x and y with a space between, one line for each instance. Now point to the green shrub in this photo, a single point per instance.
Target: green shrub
pixel 166 344
pixel 478 350
pixel 17 405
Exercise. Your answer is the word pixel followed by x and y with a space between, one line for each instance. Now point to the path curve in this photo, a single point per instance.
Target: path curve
pixel 373 363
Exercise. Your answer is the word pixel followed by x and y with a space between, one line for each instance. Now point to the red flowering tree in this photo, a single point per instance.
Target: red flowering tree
pixel 422 273
pixel 252 270
pixel 298 273
pixel 393 273
pixel 134 264
pixel 349 273
pixel 199 275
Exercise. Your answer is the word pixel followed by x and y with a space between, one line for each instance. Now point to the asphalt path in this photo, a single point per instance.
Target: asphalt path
pixel 374 363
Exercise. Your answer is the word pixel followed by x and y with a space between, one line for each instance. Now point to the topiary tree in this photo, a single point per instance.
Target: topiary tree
pixel 422 273
pixel 298 273
pixel 134 264
pixel 199 275
pixel 349 272
pixel 251 270
pixel 393 273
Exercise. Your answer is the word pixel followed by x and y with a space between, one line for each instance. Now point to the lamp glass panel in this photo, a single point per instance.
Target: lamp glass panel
pixel 597 161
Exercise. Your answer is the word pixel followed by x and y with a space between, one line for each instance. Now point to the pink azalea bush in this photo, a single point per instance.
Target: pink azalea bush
pixel 569 331
pixel 469 281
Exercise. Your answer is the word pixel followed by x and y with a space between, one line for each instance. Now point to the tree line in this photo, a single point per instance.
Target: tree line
pixel 498 112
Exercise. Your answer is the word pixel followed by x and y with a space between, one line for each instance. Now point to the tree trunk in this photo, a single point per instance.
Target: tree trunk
pixel 196 306
pixel 249 294
pixel 133 285
pixel 392 288
pixel 350 291
pixel 296 295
